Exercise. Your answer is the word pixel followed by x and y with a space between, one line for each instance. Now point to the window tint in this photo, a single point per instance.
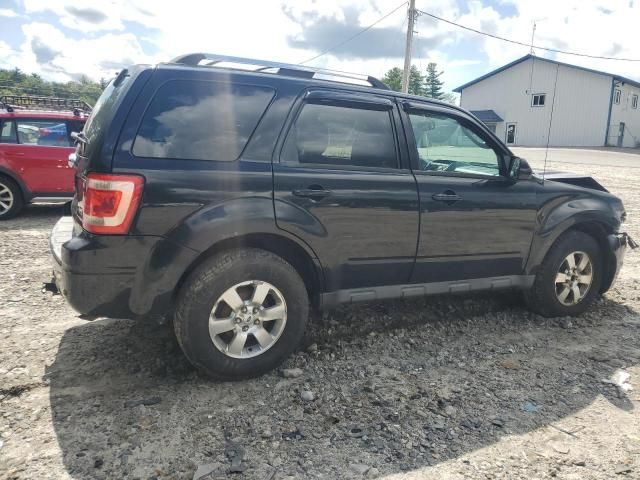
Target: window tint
pixel 52 133
pixel 200 120
pixel 8 132
pixel 445 145
pixel 337 135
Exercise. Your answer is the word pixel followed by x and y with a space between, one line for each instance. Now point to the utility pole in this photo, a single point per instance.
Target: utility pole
pixel 407 48
pixel 533 36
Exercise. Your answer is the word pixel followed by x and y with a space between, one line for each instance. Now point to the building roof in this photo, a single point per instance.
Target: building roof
pixel 527 57
pixel 487 116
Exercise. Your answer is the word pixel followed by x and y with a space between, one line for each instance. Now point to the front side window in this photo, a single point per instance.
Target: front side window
pixel 51 133
pixel 538 99
pixel 8 132
pixel 341 135
pixel 634 101
pixel 446 145
pixel 197 120
pixel 616 96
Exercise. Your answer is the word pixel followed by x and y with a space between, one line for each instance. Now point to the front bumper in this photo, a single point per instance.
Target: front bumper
pixel 618 245
pixel 122 276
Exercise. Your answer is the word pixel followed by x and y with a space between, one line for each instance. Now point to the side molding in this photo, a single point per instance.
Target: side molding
pixel 331 299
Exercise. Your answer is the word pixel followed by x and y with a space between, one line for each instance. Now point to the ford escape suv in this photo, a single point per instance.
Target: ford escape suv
pixel 35 143
pixel 236 193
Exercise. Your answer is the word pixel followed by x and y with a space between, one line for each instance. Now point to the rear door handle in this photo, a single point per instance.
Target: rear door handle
pixel 312 192
pixel 449 197
pixel 15 154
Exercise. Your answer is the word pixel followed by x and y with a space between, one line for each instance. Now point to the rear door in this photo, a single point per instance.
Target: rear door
pixel 476 222
pixel 343 185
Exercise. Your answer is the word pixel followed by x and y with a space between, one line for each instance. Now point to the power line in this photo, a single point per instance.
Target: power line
pixel 497 37
pixel 347 40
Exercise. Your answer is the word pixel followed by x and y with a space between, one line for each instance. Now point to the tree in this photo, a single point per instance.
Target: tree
pixel 433 84
pixel 393 79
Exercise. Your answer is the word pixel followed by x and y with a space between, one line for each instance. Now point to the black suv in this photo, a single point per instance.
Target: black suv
pixel 237 193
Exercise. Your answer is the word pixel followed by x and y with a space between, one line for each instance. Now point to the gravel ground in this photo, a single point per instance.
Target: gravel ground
pixel 460 387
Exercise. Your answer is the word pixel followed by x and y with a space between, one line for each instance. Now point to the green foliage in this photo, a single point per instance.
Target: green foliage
pixel 428 85
pixel 16 82
pixel 433 84
pixel 393 79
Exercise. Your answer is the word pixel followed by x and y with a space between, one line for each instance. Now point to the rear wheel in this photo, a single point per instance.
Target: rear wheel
pixel 241 313
pixel 11 202
pixel 569 278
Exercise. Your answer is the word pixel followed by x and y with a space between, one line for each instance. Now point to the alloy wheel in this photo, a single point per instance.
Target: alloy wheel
pixel 248 319
pixel 6 199
pixel 574 278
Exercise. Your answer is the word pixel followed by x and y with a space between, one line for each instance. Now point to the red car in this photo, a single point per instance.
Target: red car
pixel 35 143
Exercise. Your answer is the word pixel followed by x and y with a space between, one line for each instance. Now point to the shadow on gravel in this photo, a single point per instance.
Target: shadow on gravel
pixel 397 386
pixel 34 216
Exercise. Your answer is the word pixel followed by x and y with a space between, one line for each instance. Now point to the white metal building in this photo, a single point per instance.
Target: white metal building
pixel 590 108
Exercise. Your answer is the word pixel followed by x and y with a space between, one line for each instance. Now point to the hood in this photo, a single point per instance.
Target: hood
pixel 578 180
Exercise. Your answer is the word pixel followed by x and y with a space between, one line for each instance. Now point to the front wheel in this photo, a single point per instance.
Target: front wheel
pixel 241 313
pixel 569 278
pixel 11 202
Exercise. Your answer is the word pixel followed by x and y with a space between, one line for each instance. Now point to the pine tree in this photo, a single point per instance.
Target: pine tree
pixel 433 84
pixel 393 79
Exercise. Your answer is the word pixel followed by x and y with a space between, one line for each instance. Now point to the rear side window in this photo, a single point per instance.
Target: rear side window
pixel 8 132
pixel 198 120
pixel 341 135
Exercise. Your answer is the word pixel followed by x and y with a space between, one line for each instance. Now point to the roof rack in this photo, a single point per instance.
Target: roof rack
pixel 240 63
pixel 29 102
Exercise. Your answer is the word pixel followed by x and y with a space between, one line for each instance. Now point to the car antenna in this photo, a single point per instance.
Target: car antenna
pixel 553 102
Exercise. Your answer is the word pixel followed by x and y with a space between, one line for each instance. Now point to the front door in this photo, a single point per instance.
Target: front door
pixel 475 222
pixel 41 155
pixel 511 133
pixel 343 185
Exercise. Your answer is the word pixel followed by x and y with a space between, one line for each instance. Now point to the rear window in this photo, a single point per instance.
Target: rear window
pixel 104 110
pixel 198 120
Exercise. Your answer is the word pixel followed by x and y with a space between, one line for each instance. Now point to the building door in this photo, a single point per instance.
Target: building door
pixel 621 134
pixel 511 133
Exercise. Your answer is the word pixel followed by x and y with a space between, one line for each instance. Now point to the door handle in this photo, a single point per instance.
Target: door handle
pixel 313 192
pixel 15 154
pixel 447 196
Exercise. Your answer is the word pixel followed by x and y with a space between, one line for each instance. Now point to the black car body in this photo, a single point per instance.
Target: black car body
pixel 366 192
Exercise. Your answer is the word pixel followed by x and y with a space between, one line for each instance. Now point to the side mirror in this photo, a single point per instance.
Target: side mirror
pixel 520 169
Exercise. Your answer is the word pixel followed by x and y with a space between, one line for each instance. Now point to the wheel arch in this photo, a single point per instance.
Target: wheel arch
pixel 307 266
pixel 599 230
pixel 26 194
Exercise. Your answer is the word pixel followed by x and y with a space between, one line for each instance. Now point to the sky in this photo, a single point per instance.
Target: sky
pixel 65 39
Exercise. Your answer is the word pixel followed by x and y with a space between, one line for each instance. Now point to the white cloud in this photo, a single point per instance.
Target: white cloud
pixel 6 12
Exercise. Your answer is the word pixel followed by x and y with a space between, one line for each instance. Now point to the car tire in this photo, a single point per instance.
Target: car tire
pixel 216 313
pixel 569 278
pixel 11 202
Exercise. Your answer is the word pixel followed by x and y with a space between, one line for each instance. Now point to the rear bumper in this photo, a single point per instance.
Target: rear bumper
pixel 115 276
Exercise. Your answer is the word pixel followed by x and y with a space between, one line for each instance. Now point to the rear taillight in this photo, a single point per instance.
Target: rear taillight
pixel 110 202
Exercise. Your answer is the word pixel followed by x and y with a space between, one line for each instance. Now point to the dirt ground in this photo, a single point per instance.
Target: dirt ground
pixel 470 387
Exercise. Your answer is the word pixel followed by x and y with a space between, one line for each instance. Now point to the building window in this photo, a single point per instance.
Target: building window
pixel 616 96
pixel 538 99
pixel 634 101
